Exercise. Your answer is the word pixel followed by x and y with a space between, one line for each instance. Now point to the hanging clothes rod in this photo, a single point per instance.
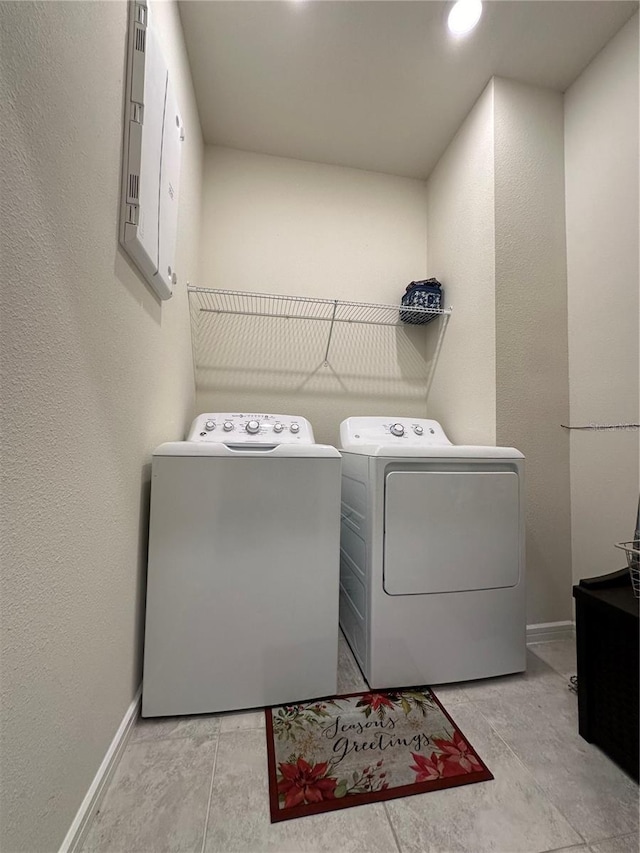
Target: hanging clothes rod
pixel 603 427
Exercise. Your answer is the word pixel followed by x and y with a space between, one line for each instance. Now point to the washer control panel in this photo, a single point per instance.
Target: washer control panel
pixel 406 432
pixel 251 428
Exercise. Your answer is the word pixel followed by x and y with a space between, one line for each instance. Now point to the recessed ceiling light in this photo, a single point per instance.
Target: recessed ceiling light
pixel 464 16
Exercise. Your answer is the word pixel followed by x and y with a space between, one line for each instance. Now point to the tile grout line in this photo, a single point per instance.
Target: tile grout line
pixel 213 771
pixel 392 827
pixel 614 837
pixel 164 738
pixel 538 785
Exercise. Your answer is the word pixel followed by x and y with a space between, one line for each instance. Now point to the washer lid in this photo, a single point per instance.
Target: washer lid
pixel 266 451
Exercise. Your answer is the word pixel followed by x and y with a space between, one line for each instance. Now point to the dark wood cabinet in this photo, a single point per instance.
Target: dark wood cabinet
pixel 607 651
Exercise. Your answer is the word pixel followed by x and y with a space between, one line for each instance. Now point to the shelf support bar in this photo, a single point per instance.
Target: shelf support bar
pixel 333 319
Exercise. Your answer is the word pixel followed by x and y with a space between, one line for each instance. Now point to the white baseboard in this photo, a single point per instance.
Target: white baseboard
pixel 78 829
pixel 547 632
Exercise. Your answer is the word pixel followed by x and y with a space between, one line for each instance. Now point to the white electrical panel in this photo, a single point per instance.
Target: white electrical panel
pixel 153 136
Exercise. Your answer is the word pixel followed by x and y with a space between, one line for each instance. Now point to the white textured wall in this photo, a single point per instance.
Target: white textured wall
pixel 601 161
pixel 96 372
pixel 461 254
pixel 276 225
pixel 496 241
pixel 532 377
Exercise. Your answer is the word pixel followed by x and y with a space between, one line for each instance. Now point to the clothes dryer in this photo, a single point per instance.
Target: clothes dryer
pixel 432 585
pixel 242 588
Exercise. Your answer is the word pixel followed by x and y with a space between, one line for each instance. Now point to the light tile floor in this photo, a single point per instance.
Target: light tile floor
pixel 199 785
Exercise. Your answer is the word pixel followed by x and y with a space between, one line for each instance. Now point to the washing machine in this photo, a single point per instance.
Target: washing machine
pixel 432 571
pixel 243 576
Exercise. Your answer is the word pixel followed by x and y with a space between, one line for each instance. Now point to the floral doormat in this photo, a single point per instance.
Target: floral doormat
pixel 363 748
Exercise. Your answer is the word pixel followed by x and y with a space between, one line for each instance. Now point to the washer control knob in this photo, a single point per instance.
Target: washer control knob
pixel 253 427
pixel 209 425
pixel 397 429
pixel 418 430
pixel 295 427
pixel 278 427
pixel 227 426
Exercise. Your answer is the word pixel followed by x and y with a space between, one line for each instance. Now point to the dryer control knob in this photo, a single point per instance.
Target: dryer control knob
pixel 278 427
pixel 418 430
pixel 295 427
pixel 253 427
pixel 209 425
pixel 227 426
pixel 397 429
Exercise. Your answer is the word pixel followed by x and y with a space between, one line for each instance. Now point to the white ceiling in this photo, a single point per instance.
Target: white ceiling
pixel 374 85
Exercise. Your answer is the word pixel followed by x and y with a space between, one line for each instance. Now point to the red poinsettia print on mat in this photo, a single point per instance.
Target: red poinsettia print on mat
pixel 453 757
pixel 430 769
pixel 363 748
pixel 391 700
pixel 375 701
pixel 457 752
pixel 305 783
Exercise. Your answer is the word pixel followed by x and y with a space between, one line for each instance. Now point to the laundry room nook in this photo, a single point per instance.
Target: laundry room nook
pixel 320 426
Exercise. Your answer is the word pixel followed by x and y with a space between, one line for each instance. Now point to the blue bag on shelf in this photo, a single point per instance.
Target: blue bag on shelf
pixel 427 293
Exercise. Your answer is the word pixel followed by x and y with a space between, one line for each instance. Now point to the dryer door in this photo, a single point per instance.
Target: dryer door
pixel 449 531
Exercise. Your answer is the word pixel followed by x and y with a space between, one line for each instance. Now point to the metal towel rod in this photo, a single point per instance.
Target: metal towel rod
pixel 603 427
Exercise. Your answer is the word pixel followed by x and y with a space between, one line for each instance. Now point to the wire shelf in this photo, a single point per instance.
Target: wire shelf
pixel 216 301
pixel 210 302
